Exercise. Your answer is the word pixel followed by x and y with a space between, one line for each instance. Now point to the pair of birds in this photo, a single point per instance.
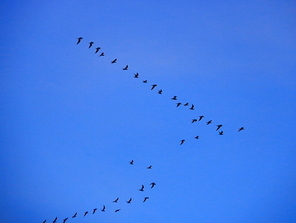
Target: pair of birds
pixel 132 163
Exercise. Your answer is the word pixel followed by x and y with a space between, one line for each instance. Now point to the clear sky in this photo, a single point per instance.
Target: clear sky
pixel 71 121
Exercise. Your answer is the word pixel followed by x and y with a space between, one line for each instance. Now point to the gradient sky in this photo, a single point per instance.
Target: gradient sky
pixel 71 121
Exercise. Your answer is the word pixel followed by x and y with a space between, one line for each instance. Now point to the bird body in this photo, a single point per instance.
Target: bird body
pixel 194 120
pixel 102 54
pixel 104 208
pixel 97 49
pixel 117 210
pixel 90 44
pixel 152 184
pixel 145 199
pixel 160 91
pixel 145 81
pixel 94 211
pixel 197 137
pixel 114 61
pixel 125 68
pixel 129 201
pixel 55 220
pixel 241 128
pixel 200 117
pixel 209 122
pixel 178 104
pixel 174 98
pixel 65 220
pixel 182 141
pixel 149 167
pixel 74 216
pixel 218 127
pixel 186 104
pixel 79 40
pixel 136 75
pixel 192 107
pixel 142 188
pixel 153 86
pixel 221 133
pixel 85 213
pixel 131 162
pixel 115 201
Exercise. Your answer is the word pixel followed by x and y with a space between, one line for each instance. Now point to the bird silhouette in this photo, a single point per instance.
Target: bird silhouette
pixel 97 49
pixel 90 44
pixel 194 120
pixel 152 184
pixel 136 75
pixel 200 117
pixel 115 201
pixel 174 98
pixel 104 208
pixel 79 40
pixel 65 220
pixel 145 199
pixel 178 104
pixel 117 210
pixel 129 201
pixel 209 122
pixel 125 68
pixel 102 54
pixel 197 137
pixel 182 141
pixel 142 188
pixel 74 216
pixel 145 81
pixel 114 61
pixel 221 132
pixel 186 104
pixel 131 162
pixel 85 213
pixel 149 167
pixel 45 220
pixel 94 211
pixel 55 220
pixel 218 127
pixel 192 107
pixel 241 128
pixel 153 86
pixel 160 91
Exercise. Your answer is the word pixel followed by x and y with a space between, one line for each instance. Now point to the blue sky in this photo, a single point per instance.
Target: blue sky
pixel 71 121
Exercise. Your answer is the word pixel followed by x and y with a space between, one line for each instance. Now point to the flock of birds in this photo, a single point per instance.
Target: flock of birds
pixel 182 141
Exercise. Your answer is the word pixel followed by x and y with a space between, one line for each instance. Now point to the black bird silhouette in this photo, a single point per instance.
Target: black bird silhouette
pixel 145 199
pixel 79 40
pixel 178 104
pixel 55 220
pixel 241 128
pixel 149 167
pixel 186 104
pixel 97 49
pixel 65 220
pixel 85 213
pixel 115 201
pixel 74 216
pixel 182 141
pixel 104 208
pixel 153 86
pixel 197 137
pixel 44 221
pixel 129 201
pixel 194 120
pixel 174 98
pixel 145 81
pixel 192 107
pixel 117 210
pixel 102 54
pixel 90 44
pixel 221 132
pixel 160 91
pixel 200 117
pixel 136 75
pixel 218 127
pixel 152 184
pixel 125 68
pixel 131 162
pixel 94 211
pixel 114 61
pixel 142 188
pixel 209 122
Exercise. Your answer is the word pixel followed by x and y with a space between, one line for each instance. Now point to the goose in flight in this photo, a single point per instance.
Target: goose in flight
pixel 149 167
pixel 102 54
pixel 115 201
pixel 65 220
pixel 104 208
pixel 117 210
pixel 145 81
pixel 153 86
pixel 192 107
pixel 209 122
pixel 131 162
pixel 241 128
pixel 79 40
pixel 94 211
pixel 160 91
pixel 218 127
pixel 182 141
pixel 97 49
pixel 145 199
pixel 142 188
pixel 194 120
pixel 75 215
pixel 152 184
pixel 44 221
pixel 125 68
pixel 178 104
pixel 85 213
pixel 114 61
pixel 186 104
pixel 200 117
pixel 90 44
pixel 129 201
pixel 55 220
pixel 197 137
pixel 221 133
pixel 136 75
pixel 174 98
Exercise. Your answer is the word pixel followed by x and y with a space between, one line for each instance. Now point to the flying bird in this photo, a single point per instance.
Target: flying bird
pixel 182 141
pixel 194 120
pixel 114 61
pixel 74 216
pixel 90 44
pixel 117 210
pixel 241 128
pixel 102 54
pixel 65 220
pixel 149 167
pixel 129 201
pixel 79 40
pixel 136 75
pixel 142 188
pixel 200 117
pixel 197 137
pixel 145 81
pixel 145 199
pixel 85 213
pixel 152 184
pixel 104 208
pixel 209 122
pixel 218 127
pixel 94 211
pixel 221 133
pixel 178 104
pixel 125 68
pixel 97 49
pixel 131 162
pixel 153 86
pixel 192 107
pixel 174 98
pixel 44 221
pixel 55 220
pixel 115 201
pixel 160 91
pixel 186 104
